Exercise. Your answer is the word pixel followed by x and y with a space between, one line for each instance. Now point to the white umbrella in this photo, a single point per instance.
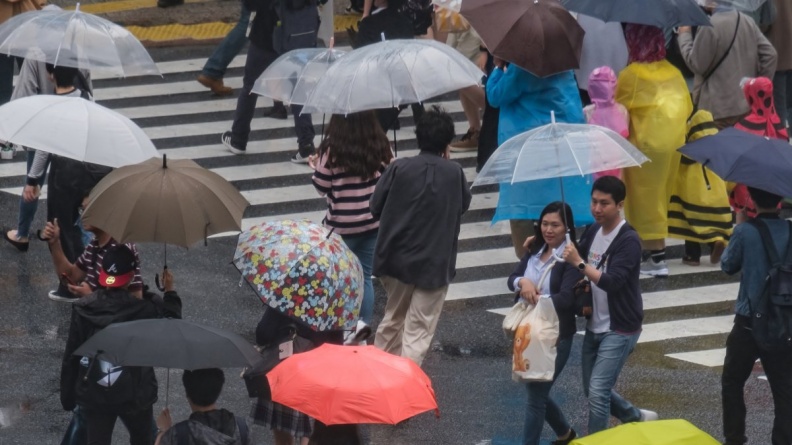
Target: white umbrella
pixel 391 73
pixel 292 76
pixel 75 128
pixel 77 39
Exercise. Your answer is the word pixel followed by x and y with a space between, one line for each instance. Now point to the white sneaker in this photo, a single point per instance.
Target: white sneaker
pixel 659 269
pixel 648 416
pixel 358 338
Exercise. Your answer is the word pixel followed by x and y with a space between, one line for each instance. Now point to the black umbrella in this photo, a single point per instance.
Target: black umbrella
pixel 660 13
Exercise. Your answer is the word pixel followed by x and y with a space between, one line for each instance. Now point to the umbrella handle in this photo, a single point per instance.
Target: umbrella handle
pixel 557 256
pixel 157 282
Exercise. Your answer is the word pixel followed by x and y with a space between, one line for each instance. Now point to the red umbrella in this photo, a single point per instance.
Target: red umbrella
pixel 539 36
pixel 352 384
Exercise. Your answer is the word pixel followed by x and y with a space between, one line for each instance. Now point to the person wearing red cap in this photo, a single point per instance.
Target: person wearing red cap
pixel 133 392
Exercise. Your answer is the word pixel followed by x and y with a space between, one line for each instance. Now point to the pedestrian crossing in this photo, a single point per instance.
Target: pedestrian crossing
pixel 185 121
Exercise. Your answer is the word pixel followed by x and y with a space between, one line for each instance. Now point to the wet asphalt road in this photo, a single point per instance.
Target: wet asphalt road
pixel 469 364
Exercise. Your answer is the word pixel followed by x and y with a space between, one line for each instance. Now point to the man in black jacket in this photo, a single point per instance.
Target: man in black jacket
pixel 612 250
pixel 102 391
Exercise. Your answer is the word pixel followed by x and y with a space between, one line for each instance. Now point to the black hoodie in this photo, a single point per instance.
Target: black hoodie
pixel 95 312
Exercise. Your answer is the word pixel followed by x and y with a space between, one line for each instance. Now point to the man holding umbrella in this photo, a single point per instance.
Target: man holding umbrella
pixel 103 391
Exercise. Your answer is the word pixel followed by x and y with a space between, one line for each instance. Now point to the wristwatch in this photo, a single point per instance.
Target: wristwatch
pixel 582 265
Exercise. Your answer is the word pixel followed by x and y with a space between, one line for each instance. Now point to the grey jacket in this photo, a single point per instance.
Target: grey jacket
pixel 751 56
pixel 419 201
pixel 218 427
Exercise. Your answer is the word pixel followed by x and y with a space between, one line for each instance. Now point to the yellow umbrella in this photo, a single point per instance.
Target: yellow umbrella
pixel 660 432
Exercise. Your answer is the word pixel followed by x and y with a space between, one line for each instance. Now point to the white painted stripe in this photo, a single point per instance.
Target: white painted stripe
pixel 710 357
pixel 686 328
pixel 691 296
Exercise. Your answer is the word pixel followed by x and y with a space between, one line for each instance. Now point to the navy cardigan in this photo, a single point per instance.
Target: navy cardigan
pixel 563 278
pixel 621 280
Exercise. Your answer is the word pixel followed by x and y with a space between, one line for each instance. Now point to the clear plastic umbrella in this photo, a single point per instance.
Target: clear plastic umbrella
pixel 292 76
pixel 557 150
pixel 391 73
pixel 77 39
pixel 740 5
pixel 75 128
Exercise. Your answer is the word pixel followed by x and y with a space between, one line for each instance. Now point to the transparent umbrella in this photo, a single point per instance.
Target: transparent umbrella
pixel 740 5
pixel 77 39
pixel 391 73
pixel 292 76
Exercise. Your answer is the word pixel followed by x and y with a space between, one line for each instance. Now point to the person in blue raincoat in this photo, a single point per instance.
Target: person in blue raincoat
pixel 525 102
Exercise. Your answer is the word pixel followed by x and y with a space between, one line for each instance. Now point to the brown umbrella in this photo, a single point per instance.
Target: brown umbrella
pixel 539 36
pixel 176 202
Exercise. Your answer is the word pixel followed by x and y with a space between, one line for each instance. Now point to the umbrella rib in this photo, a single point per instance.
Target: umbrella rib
pixel 409 74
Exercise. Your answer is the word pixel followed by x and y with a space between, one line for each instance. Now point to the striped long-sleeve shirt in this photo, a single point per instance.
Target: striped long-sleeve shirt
pixel 347 199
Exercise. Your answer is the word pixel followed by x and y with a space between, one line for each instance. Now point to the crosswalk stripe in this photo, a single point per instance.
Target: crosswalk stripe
pixel 708 357
pixel 669 330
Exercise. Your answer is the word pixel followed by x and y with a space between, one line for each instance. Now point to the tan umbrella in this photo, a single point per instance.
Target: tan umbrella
pixel 177 202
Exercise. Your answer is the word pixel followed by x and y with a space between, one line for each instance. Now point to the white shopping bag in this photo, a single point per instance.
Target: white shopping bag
pixel 535 344
pixel 514 317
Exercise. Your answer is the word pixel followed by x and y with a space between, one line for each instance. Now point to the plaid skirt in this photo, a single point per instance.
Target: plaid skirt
pixel 281 418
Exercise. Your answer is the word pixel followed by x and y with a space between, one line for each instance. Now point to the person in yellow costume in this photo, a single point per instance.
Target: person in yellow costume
pixel 656 96
pixel 699 211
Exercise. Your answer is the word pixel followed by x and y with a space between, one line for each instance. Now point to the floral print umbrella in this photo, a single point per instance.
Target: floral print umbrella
pixel 304 271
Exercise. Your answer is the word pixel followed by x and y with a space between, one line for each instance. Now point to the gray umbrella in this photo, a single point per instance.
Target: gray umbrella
pixel 660 13
pixel 169 343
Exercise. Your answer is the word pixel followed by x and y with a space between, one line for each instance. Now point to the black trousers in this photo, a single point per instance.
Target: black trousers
pixel 64 198
pixel 100 425
pixel 741 354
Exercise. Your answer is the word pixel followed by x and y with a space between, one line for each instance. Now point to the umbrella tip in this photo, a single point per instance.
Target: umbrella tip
pixel 77 8
pixel 164 161
pixel 382 36
pixel 332 42
pixel 552 113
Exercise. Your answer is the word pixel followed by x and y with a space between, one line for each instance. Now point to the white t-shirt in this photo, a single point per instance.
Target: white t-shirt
pixel 600 318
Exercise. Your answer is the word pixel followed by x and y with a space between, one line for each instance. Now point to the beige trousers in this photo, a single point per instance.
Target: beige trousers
pixel 411 316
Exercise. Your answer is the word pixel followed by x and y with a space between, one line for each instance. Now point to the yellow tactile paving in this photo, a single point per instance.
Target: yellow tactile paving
pixel 210 31
pixel 122 5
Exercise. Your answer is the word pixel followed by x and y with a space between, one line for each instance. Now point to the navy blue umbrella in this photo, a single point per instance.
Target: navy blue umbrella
pixel 660 13
pixel 741 157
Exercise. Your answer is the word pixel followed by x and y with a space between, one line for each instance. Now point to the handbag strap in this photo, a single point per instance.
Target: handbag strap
pixel 725 54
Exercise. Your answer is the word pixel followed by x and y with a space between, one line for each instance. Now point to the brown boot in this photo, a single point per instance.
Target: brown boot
pixel 216 85
pixel 468 142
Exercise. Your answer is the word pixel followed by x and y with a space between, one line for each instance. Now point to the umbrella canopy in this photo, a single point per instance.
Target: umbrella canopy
pixel 741 157
pixel 391 73
pixel 748 6
pixel 539 36
pixel 304 271
pixel 556 150
pixel 77 39
pixel 75 128
pixel 328 385
pixel 660 13
pixel 174 202
pixel 292 76
pixel 660 432
pixel 169 343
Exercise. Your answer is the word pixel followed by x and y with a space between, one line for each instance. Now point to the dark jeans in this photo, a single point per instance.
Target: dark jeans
pixel 258 59
pixel 7 77
pixel 100 425
pixel 64 198
pixel 303 126
pixel 782 94
pixel 541 407
pixel 488 136
pixel 76 433
pixel 741 354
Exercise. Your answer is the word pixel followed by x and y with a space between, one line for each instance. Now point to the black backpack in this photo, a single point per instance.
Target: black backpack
pixel 772 319
pixel 297 27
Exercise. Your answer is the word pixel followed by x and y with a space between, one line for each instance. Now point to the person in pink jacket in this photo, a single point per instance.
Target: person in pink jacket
pixel 604 110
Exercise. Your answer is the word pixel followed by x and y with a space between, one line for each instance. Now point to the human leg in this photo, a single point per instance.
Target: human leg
pixel 76 433
pixel 215 67
pixel 741 355
pixel 6 78
pixel 778 368
pixel 303 126
pixel 780 94
pixel 421 322
pixel 612 353
pixel 99 425
pixel 541 407
pixel 363 248
pixel 692 253
pixel 138 423
pixel 390 332
pixel 553 414
pixel 258 60
pixel 27 210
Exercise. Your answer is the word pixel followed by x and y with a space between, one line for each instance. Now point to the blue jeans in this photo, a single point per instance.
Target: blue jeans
pixel 27 210
pixel 541 407
pixel 603 357
pixel 363 247
pixel 231 45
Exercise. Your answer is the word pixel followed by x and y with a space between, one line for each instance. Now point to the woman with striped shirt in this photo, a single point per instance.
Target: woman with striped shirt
pixel 348 164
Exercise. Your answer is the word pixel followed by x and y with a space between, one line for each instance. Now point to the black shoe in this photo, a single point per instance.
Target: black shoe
pixel 225 138
pixel 568 440
pixel 22 247
pixel 59 295
pixel 169 3
pixel 278 111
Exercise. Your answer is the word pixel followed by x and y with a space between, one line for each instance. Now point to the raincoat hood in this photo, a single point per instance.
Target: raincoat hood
pixel 108 306
pixel 602 86
pixel 763 119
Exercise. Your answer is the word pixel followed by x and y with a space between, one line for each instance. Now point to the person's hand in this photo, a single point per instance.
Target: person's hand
pixel 81 290
pixel 30 193
pixel 51 232
pixel 571 255
pixel 528 290
pixel 167 280
pixel 497 61
pixel 528 242
pixel 683 29
pixel 164 421
pixel 312 160
pixel 481 62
